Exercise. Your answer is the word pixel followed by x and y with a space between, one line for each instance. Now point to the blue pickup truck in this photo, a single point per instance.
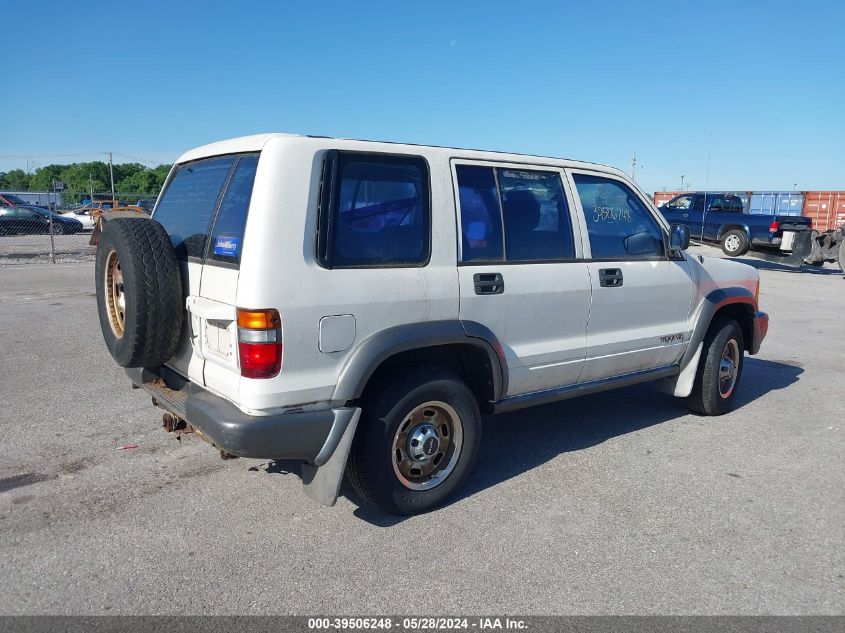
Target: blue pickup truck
pixel 724 221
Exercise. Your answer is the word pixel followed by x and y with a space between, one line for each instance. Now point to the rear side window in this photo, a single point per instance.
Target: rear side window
pixel 376 212
pixel 733 204
pixel 209 198
pixel 528 206
pixel 227 236
pixel 188 204
pixel 618 224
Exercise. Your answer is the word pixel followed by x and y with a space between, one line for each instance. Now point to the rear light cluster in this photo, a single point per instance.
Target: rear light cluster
pixel 774 227
pixel 260 343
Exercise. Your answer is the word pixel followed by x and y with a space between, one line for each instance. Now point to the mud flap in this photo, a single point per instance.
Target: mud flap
pixel 322 483
pixel 802 246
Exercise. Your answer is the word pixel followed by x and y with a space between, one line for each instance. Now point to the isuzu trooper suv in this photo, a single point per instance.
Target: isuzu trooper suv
pixel 356 306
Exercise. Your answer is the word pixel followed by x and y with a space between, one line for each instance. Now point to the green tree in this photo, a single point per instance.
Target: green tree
pixel 16 180
pixel 42 179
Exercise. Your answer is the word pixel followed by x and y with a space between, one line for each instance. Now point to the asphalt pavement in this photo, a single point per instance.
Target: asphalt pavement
pixel 618 503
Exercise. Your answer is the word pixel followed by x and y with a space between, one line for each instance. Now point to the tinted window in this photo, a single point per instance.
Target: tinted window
pixel 717 203
pixel 535 214
pixel 188 204
pixel 481 218
pixel 227 236
pixel 619 225
pixel 381 211
pixel 733 204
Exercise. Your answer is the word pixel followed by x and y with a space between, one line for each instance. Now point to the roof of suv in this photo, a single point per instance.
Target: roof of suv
pixel 256 142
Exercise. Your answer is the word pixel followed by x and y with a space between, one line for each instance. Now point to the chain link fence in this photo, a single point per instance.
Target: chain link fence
pixel 54 227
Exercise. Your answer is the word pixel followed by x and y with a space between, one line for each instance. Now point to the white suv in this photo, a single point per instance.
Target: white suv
pixel 357 305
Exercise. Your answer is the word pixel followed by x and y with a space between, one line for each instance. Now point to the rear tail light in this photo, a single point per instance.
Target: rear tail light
pixel 774 227
pixel 260 343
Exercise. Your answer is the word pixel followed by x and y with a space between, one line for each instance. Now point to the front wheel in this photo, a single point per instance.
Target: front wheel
pixel 735 243
pixel 719 369
pixel 416 442
pixel 58 229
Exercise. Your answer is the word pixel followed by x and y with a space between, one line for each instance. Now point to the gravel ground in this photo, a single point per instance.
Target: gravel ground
pixel 612 504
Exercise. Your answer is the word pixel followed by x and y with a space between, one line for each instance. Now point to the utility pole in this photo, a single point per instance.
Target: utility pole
pixel 634 166
pixel 111 176
pixel 91 189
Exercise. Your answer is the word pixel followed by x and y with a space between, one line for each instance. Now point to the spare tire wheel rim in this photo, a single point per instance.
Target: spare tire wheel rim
pixel 729 368
pixel 115 296
pixel 732 243
pixel 427 445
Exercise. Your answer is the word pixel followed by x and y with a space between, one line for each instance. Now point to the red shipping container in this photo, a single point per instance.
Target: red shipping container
pixel 826 208
pixel 664 196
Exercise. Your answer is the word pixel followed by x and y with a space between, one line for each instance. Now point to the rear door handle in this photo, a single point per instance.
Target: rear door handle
pixel 488 283
pixel 610 277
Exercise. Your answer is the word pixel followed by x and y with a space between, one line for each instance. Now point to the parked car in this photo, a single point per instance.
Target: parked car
pixel 28 219
pixel 356 306
pixel 147 204
pixel 11 200
pixel 726 223
pixel 84 217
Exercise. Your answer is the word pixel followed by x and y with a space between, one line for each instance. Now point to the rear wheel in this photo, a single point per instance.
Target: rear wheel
pixel 719 369
pixel 416 443
pixel 735 243
pixel 58 228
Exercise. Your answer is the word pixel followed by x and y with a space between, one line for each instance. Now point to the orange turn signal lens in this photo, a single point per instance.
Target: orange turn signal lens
pixel 259 319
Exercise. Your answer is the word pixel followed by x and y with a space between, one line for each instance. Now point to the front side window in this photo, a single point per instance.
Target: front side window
pixel 618 223
pixel 380 215
pixel 681 203
pixel 513 214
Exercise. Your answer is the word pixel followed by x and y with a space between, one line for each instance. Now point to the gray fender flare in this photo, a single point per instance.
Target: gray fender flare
pixel 373 351
pixel 322 478
pixel 681 386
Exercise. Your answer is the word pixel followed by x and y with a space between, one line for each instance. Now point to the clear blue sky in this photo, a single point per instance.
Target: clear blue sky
pixel 758 86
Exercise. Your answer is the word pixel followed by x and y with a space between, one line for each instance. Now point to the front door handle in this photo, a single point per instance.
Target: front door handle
pixel 610 277
pixel 488 283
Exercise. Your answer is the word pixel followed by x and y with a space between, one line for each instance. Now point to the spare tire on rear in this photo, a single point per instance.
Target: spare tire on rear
pixel 139 292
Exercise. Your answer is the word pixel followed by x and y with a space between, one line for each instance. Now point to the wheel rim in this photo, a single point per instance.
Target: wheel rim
pixel 114 294
pixel 732 243
pixel 729 368
pixel 427 445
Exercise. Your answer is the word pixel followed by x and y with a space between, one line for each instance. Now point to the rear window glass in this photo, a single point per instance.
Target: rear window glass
pixel 187 205
pixel 227 242
pixel 381 212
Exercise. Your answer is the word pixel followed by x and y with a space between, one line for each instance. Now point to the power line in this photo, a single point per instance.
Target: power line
pixel 85 155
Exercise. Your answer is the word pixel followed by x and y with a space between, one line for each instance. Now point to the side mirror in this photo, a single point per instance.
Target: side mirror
pixel 679 237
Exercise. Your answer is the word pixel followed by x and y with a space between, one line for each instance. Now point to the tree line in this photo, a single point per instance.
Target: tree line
pixel 82 177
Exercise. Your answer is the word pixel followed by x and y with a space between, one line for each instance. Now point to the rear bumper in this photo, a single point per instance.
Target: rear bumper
pixel 761 328
pixel 310 436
